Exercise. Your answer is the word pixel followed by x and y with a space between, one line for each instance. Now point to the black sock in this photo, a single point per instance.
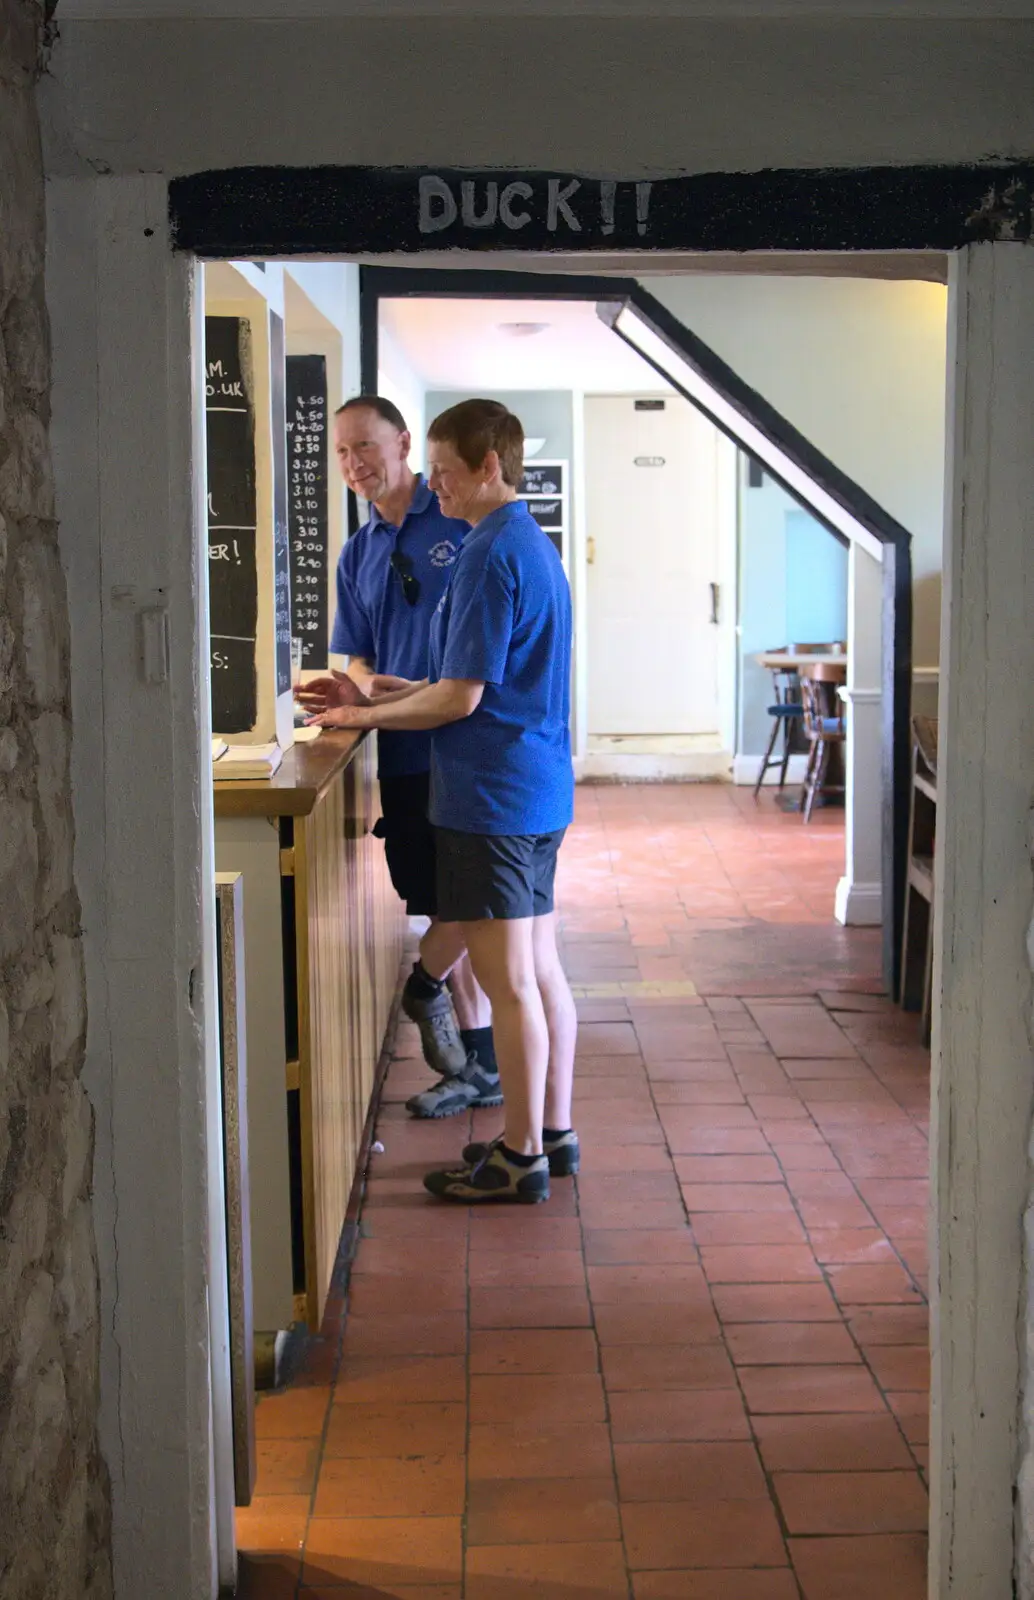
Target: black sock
pixel 553 1134
pixel 516 1160
pixel 421 984
pixel 480 1043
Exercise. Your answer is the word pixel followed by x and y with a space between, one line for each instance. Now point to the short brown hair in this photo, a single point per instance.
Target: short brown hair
pixel 474 427
pixel 385 409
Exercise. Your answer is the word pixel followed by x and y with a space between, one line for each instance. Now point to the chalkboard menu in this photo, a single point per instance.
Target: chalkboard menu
pixel 232 569
pixel 543 477
pixel 281 536
pixel 307 458
pixel 544 489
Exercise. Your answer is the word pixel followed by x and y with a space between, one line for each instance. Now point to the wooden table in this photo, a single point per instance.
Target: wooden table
pixel 788 661
pixel 322 936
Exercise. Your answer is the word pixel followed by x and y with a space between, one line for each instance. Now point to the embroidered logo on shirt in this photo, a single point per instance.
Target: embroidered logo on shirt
pixel 443 554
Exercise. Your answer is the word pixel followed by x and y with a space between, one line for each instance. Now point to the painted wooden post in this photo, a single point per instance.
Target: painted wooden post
pixel 983 1055
pixel 859 897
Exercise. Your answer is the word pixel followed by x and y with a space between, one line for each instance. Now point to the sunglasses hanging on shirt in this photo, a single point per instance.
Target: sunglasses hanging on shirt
pixel 403 567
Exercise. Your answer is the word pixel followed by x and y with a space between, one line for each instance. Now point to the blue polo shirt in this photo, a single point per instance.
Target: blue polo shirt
pixel 375 620
pixel 505 621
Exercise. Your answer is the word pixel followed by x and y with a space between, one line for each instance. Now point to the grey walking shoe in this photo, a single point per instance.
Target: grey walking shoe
pixel 494 1178
pixel 469 1090
pixel 564 1154
pixel 444 1050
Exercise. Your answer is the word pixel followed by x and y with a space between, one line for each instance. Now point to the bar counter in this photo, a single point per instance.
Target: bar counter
pixel 323 935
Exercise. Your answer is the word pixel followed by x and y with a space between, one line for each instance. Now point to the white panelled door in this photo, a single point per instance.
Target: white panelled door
pixel 652 521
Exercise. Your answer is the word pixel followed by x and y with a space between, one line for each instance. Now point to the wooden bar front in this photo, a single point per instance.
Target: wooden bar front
pixel 340 935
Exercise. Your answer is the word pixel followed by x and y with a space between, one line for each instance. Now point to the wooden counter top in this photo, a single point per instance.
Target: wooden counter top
pixel 294 789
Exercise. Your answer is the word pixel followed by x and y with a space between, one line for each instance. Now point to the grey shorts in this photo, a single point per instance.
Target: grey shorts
pixel 499 877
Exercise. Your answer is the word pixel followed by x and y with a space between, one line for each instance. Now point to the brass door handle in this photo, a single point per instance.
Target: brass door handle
pixel 590 551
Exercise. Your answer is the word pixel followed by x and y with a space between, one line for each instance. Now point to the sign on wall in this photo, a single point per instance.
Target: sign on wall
pixel 544 490
pixel 281 536
pixel 232 515
pixel 307 456
pixel 341 210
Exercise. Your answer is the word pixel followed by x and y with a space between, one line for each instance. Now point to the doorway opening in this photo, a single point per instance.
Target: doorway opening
pixel 660 1009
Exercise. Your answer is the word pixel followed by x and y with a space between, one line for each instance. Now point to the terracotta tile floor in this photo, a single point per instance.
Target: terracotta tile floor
pixel 700 1372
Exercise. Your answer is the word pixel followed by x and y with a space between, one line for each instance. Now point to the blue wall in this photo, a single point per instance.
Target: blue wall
pixel 792 590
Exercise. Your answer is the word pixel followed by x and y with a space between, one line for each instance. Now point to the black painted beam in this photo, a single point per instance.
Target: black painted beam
pixel 285 211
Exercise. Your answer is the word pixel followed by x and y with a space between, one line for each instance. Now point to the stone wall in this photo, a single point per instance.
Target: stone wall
pixel 54 1533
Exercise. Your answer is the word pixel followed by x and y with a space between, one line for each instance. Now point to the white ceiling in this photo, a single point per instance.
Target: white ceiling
pixel 459 344
pixel 130 10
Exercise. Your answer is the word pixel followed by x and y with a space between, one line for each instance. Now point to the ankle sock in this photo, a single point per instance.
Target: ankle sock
pixel 421 984
pixel 552 1134
pixel 480 1043
pixel 519 1161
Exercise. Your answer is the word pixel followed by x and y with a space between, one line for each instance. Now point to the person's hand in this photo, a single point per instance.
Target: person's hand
pixel 387 683
pixel 338 717
pixel 323 694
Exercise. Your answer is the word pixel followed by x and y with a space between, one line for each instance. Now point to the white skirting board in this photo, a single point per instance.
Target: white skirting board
pixel 608 766
pixel 858 905
pixel 745 770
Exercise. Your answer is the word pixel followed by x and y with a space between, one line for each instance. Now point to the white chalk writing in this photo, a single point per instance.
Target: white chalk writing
pixel 563 205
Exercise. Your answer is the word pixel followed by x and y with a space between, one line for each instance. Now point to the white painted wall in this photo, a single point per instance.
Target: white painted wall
pixel 858 366
pixel 399 381
pixel 622 96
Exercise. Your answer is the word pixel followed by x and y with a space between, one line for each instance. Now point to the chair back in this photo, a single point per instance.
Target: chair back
pixel 785 682
pixel 823 713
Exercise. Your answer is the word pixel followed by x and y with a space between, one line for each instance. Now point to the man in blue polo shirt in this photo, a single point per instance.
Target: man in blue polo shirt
pixel 391 576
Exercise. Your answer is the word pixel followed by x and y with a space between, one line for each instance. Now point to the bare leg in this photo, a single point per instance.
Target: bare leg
pixel 561 1021
pixel 502 955
pixel 468 998
pixel 442 947
pixel 443 953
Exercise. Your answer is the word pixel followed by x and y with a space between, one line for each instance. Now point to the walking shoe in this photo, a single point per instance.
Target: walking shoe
pixel 444 1050
pixel 564 1154
pixel 494 1178
pixel 461 1091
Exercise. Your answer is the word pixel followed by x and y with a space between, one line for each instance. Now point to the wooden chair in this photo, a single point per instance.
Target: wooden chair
pixel 786 712
pixel 917 928
pixel 824 727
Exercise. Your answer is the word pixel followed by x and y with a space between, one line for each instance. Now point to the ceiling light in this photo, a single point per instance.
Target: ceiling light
pixel 522 330
pixel 532 447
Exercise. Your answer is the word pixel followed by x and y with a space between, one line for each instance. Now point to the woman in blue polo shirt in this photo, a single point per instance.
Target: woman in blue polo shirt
pixel 497 698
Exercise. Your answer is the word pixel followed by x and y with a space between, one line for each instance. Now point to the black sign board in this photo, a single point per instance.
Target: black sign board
pixel 549 514
pixel 232 569
pixel 281 536
pixel 307 465
pixel 256 211
pixel 545 479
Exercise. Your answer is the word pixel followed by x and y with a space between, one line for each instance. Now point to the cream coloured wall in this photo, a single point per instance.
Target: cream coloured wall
pixel 859 367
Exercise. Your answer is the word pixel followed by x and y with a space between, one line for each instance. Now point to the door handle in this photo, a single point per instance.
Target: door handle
pixel 590 551
pixel 714 604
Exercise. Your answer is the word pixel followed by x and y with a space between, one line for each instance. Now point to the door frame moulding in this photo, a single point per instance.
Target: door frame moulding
pixel 712 387
pixel 120 276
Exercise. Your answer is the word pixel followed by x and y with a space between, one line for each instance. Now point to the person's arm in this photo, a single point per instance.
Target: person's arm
pixel 415 710
pixel 374 684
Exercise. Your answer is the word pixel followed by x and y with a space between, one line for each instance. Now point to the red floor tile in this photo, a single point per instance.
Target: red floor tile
pixel 891 1566
pixel 707 1355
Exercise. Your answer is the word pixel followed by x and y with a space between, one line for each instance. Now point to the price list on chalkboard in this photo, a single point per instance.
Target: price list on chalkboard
pixel 307 467
pixel 232 570
pixel 281 535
